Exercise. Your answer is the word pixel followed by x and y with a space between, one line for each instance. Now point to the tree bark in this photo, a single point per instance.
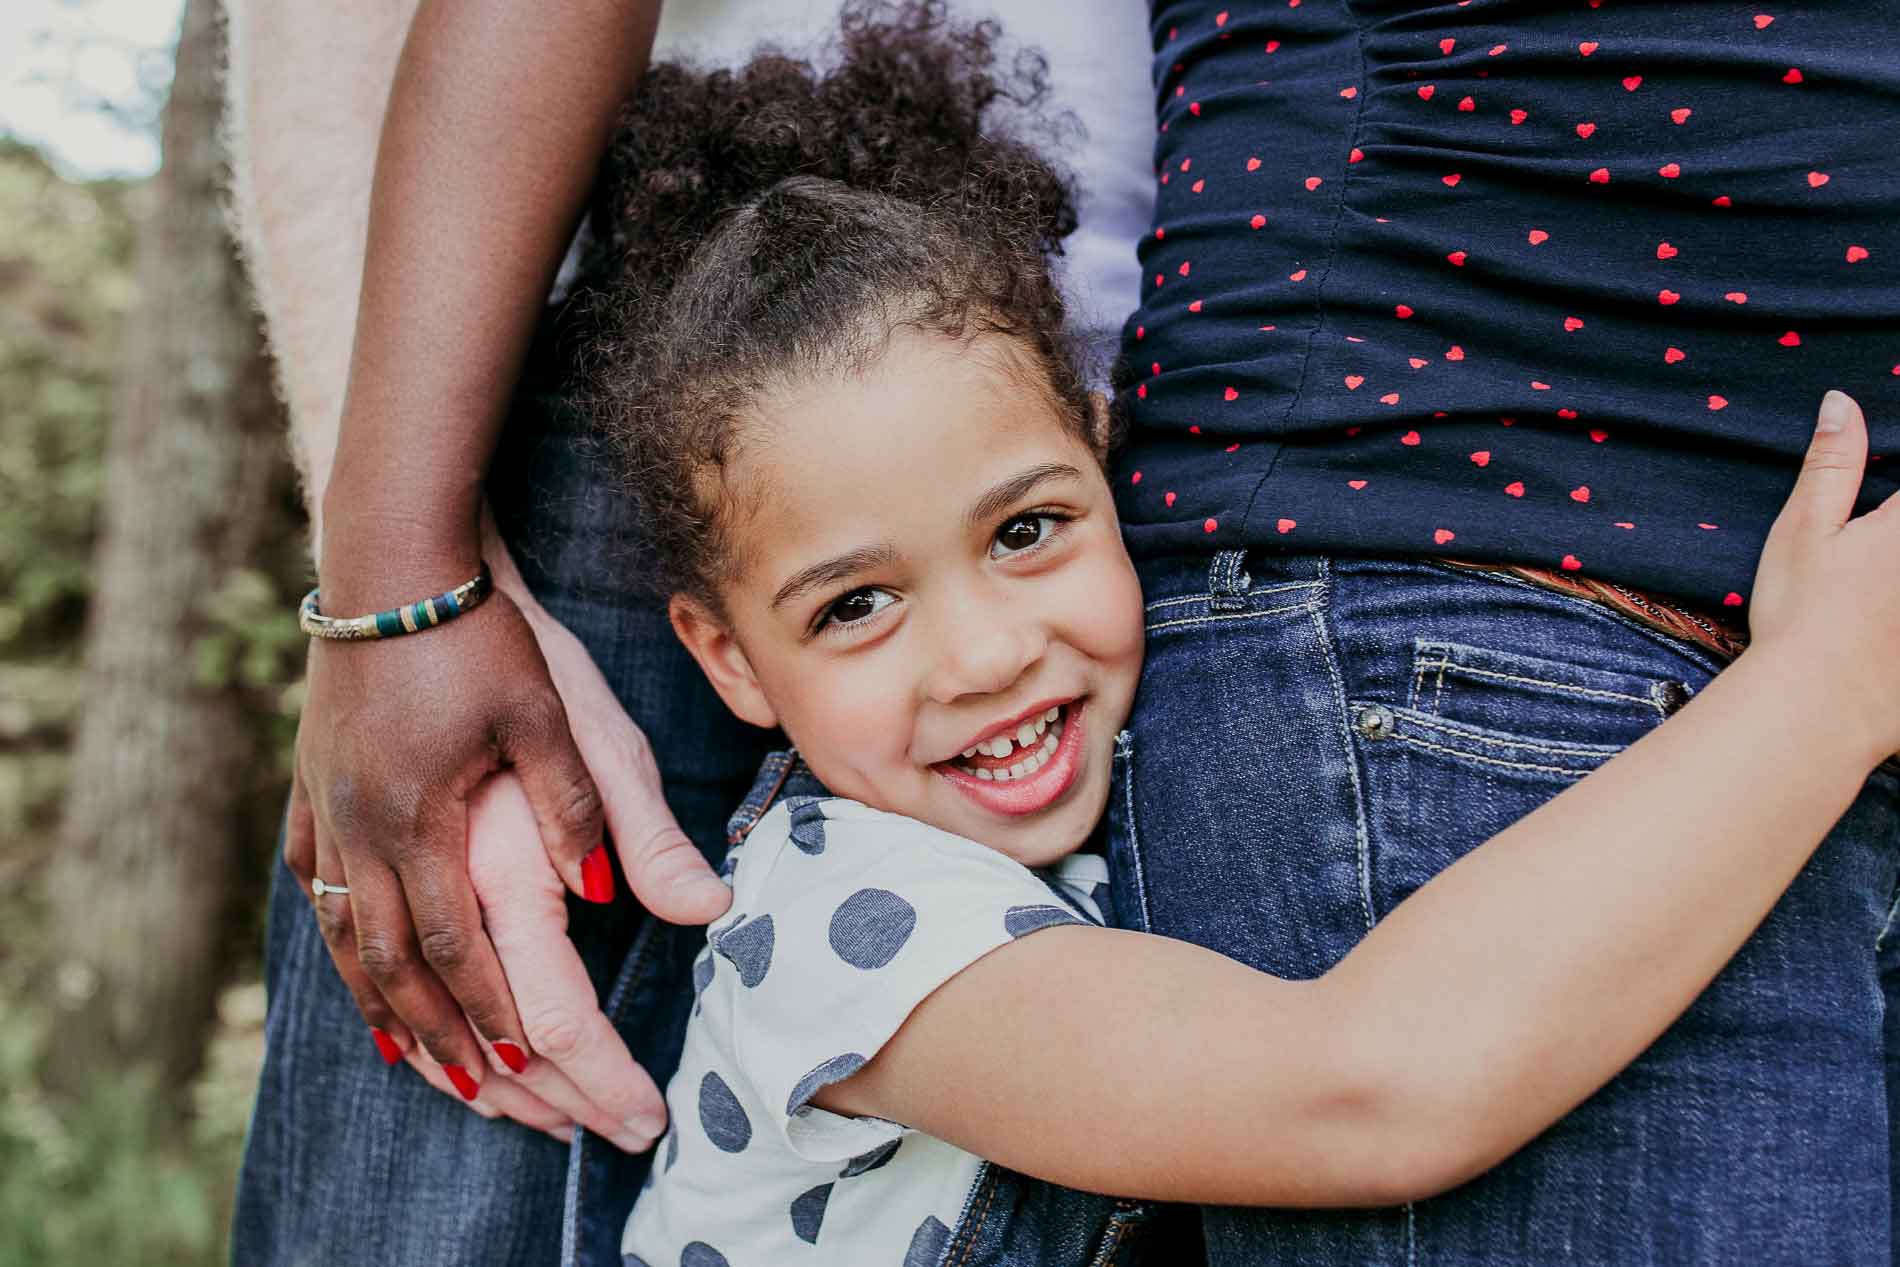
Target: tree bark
pixel 167 758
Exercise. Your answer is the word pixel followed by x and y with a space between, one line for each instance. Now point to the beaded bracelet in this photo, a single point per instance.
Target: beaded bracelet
pixel 408 619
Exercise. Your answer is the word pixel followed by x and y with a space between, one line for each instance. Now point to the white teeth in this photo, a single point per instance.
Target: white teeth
pixel 1016 771
pixel 1041 725
pixel 1053 713
pixel 968 753
pixel 1026 735
pixel 1001 776
pixel 1050 744
pixel 1000 746
pixel 984 775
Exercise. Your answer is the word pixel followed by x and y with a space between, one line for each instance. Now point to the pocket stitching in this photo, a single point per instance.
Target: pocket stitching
pixel 1565 687
pixel 1310 605
pixel 1463 755
pixel 1497 739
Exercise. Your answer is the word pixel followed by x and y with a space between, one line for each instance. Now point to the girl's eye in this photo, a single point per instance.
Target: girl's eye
pixel 1021 533
pixel 855 607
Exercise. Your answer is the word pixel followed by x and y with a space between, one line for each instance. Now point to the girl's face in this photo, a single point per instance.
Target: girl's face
pixel 931 597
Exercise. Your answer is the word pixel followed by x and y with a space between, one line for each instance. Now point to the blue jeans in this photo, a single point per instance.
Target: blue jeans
pixel 1316 737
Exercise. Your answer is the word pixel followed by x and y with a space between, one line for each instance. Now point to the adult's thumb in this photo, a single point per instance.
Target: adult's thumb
pixel 1829 484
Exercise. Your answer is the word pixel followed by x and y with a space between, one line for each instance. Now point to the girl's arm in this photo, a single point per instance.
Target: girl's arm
pixel 1488 1004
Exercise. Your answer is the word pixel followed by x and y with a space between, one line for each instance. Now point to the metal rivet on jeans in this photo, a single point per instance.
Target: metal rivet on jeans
pixel 1375 722
pixel 1670 696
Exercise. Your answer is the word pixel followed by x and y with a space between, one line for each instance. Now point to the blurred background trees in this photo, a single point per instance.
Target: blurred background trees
pixel 150 556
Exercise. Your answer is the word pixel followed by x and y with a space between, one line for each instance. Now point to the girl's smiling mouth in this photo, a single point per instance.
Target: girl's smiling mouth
pixel 1025 766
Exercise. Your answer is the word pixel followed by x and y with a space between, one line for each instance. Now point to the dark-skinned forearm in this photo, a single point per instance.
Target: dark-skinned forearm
pixel 496 122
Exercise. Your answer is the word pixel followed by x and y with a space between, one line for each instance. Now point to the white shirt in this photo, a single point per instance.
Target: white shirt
pixel 843 919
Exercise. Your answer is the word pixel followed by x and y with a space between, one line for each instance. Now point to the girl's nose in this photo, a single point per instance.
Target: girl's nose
pixel 984 654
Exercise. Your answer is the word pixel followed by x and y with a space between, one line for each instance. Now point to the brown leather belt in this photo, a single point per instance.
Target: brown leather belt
pixel 1715 636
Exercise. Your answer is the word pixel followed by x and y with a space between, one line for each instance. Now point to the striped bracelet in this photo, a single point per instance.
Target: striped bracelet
pixel 407 619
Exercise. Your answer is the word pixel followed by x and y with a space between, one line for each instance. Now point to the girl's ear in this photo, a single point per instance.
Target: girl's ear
pixel 721 659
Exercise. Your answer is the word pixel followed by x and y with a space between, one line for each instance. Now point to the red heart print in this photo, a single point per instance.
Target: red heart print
pixel 1568 415
pixel 1444 535
pixel 1586 130
pixel 1253 164
pixel 1286 525
pixel 1571 563
pixel 1632 82
pixel 1762 21
pixel 1445 46
pixel 1168 498
pixel 1390 398
pixel 1580 494
pixel 1732 600
pixel 1355 485
pixel 1194 108
pixel 1498 49
pixel 1737 296
pixel 1573 324
pixel 1718 402
pixel 1507 422
pixel 1598 436
pixel 1627 527
pixel 1198 185
pixel 1258 222
pixel 1514 489
pixel 1353 431
pixel 1664 251
pixel 1452 179
pixel 1186 265
pixel 1357 156
pixel 1403 312
pixel 1300 276
pixel 1313 182
pixel 1667 297
pixel 1161 233
pixel 1230 394
pixel 1220 19
pixel 1409 438
pixel 1723 201
pixel 1273 46
pixel 1135 478
pixel 1680 115
pixel 1709 527
pixel 1539 237
pixel 1467 104
pixel 1817 179
pixel 1539 386
pixel 1482 457
pixel 1209 525
pixel 1669 171
pixel 1789 340
pixel 1425 91
pixel 1793 76
pixel 1672 355
pixel 1518 117
pixel 1195 306
pixel 1457 258
pixel 1454 353
pixel 1855 254
pixel 1601 176
pixel 1417 362
pixel 1588 47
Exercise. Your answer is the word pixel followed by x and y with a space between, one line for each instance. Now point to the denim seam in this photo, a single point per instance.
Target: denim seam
pixel 1159 603
pixel 1893 914
pixel 1688 650
pixel 1118 1229
pixel 987 1182
pixel 1497 761
pixel 1452 729
pixel 1212 619
pixel 1362 832
pixel 1125 749
pixel 1448 663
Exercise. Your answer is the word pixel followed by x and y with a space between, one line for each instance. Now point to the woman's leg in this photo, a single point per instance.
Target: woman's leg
pixel 1316 738
pixel 352 1161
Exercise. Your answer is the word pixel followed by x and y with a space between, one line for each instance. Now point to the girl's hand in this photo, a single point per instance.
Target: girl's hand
pixel 1827 596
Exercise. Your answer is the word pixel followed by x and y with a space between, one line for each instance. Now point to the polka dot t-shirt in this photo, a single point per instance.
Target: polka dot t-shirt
pixel 844 918
pixel 1554 284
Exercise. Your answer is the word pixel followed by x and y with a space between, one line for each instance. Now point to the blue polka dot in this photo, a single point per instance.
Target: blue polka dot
pixel 725 1122
pixel 672 1148
pixel 837 1069
pixel 1018 920
pixel 808 824
pixel 702 974
pixel 700 1254
pixel 632 1260
pixel 926 1243
pixel 748 946
pixel 871 926
pixel 870 1161
pixel 808 1213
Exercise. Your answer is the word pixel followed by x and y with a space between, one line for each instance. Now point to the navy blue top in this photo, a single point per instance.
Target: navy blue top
pixel 1552 284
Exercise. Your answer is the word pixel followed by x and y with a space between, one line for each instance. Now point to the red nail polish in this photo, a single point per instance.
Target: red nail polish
pixel 463 1083
pixel 386 1047
pixel 597 876
pixel 512 1056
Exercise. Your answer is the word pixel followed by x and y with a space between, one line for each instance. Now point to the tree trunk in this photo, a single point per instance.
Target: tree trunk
pixel 167 759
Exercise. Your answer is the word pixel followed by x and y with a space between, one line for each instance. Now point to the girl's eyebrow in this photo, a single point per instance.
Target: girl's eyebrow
pixel 836 568
pixel 1012 490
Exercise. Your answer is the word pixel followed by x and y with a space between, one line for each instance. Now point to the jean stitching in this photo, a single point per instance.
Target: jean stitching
pixel 988 1183
pixel 1208 620
pixel 1595 692
pixel 1159 603
pixel 1497 761
pixel 1452 729
pixel 1893 914
pixel 1362 832
pixel 1125 751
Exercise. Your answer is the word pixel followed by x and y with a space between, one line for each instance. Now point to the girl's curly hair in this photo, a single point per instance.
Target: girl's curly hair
pixel 757 228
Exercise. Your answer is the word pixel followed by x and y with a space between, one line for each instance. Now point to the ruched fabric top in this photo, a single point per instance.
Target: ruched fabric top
pixel 1557 284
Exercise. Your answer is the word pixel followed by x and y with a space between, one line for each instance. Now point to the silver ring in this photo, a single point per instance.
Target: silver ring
pixel 319 888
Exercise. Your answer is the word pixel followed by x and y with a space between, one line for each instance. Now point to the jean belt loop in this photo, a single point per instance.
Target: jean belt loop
pixel 1227 580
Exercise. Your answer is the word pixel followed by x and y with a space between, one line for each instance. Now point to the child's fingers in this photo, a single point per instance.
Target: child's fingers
pixel 1824 495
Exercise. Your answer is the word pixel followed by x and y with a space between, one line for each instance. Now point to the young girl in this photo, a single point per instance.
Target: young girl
pixel 875 494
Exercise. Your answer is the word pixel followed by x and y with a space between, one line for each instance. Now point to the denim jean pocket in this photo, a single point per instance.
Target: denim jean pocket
pixel 1509 705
